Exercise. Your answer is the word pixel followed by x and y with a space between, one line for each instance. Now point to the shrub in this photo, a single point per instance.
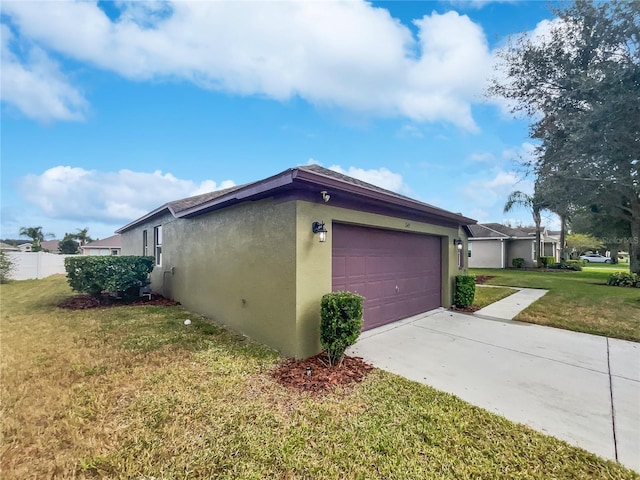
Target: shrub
pixel 465 290
pixel 620 279
pixel 341 322
pixel 6 267
pixel 111 274
pixel 518 262
pixel 545 262
pixel 568 265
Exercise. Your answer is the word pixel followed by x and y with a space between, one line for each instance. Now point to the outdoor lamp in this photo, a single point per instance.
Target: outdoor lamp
pixel 458 243
pixel 318 227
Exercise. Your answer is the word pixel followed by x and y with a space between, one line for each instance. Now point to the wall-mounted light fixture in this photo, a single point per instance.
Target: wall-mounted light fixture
pixel 318 227
pixel 325 196
pixel 458 243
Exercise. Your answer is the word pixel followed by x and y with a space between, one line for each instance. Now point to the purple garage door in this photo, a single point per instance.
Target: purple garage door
pixel 398 273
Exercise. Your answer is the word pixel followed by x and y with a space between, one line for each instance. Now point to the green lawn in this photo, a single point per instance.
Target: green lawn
pixel 131 392
pixel 579 301
pixel 487 295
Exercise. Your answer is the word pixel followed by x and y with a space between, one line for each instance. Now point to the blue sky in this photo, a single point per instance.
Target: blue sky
pixel 110 109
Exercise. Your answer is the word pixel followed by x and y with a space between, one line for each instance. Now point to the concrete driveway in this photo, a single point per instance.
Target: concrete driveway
pixel 580 388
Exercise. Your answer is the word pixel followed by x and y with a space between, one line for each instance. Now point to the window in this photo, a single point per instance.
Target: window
pixel 145 243
pixel 157 244
pixel 114 251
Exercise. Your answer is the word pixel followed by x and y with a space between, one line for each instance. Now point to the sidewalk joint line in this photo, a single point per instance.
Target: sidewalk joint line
pixel 613 412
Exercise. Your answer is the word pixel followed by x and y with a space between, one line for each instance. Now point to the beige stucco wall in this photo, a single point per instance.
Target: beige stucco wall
pixel 258 268
pixel 236 266
pixel 313 265
pixel 486 254
pixel 520 249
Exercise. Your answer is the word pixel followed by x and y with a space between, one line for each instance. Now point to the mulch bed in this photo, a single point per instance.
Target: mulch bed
pixel 481 279
pixel 469 309
pixel 84 301
pixel 322 378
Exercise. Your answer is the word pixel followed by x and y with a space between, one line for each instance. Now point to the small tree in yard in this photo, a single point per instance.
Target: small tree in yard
pixel 6 267
pixel 341 322
pixel 110 274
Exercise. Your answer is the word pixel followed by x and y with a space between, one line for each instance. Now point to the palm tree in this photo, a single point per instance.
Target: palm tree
pixel 82 236
pixel 536 204
pixel 36 235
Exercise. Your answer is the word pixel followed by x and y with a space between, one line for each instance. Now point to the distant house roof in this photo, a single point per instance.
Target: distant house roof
pixel 50 245
pixel 5 247
pixel 110 242
pixel 310 177
pixel 497 230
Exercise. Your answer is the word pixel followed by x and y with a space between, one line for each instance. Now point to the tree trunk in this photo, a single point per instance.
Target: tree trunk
pixel 634 244
pixel 563 239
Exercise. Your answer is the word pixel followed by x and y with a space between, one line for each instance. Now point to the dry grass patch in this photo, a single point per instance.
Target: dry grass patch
pixel 131 392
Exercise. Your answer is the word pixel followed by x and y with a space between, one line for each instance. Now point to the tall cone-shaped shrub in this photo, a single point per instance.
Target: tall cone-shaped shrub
pixel 341 323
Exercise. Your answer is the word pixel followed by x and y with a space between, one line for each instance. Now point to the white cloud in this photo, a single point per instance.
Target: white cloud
pixel 381 177
pixel 482 157
pixel 36 86
pixel 73 193
pixel 493 191
pixel 525 154
pixel 344 54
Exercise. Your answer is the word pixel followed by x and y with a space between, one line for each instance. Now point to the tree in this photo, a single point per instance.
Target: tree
pixel 6 267
pixel 536 204
pixel 36 236
pixel 82 236
pixel 68 245
pixel 580 86
pixel 580 243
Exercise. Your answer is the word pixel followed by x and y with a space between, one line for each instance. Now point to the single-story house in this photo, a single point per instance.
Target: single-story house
pixel 259 257
pixel 492 245
pixel 25 247
pixel 107 246
pixel 51 246
pixel 5 247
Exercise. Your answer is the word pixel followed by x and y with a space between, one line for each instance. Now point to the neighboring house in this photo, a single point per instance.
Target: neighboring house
pixel 106 246
pixel 492 245
pixel 5 247
pixel 248 257
pixel 25 247
pixel 51 246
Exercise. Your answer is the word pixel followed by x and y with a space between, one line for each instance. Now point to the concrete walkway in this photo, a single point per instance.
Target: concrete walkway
pixel 509 307
pixel 584 389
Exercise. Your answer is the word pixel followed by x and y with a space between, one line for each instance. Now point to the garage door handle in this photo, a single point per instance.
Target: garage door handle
pixel 397 289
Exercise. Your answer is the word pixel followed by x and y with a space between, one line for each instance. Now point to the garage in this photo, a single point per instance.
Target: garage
pixel 398 273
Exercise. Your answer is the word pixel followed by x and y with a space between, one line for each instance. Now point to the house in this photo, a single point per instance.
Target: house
pixel 492 245
pixel 107 246
pixel 25 247
pixel 5 247
pixel 259 257
pixel 51 246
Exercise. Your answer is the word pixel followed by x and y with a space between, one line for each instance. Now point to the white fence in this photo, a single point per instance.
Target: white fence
pixel 28 265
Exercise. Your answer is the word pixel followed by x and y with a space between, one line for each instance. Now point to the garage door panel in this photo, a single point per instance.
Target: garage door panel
pixel 373 262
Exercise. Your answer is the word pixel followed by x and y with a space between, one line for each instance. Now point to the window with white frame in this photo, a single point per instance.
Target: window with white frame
pixel 157 244
pixel 145 243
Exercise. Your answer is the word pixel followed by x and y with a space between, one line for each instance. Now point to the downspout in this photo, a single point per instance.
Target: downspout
pixel 502 245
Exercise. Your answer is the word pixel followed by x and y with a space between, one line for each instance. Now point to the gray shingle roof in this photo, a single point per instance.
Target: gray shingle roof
pixel 186 203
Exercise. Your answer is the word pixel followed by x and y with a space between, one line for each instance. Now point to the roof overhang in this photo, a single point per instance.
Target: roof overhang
pixel 297 180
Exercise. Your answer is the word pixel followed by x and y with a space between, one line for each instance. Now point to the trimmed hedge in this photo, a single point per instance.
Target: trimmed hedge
pixel 341 323
pixel 546 262
pixel 465 290
pixel 110 274
pixel 620 279
pixel 518 262
pixel 575 265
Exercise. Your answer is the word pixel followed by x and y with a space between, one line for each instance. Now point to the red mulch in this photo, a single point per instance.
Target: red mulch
pixel 481 279
pixel 323 378
pixel 84 301
pixel 469 309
